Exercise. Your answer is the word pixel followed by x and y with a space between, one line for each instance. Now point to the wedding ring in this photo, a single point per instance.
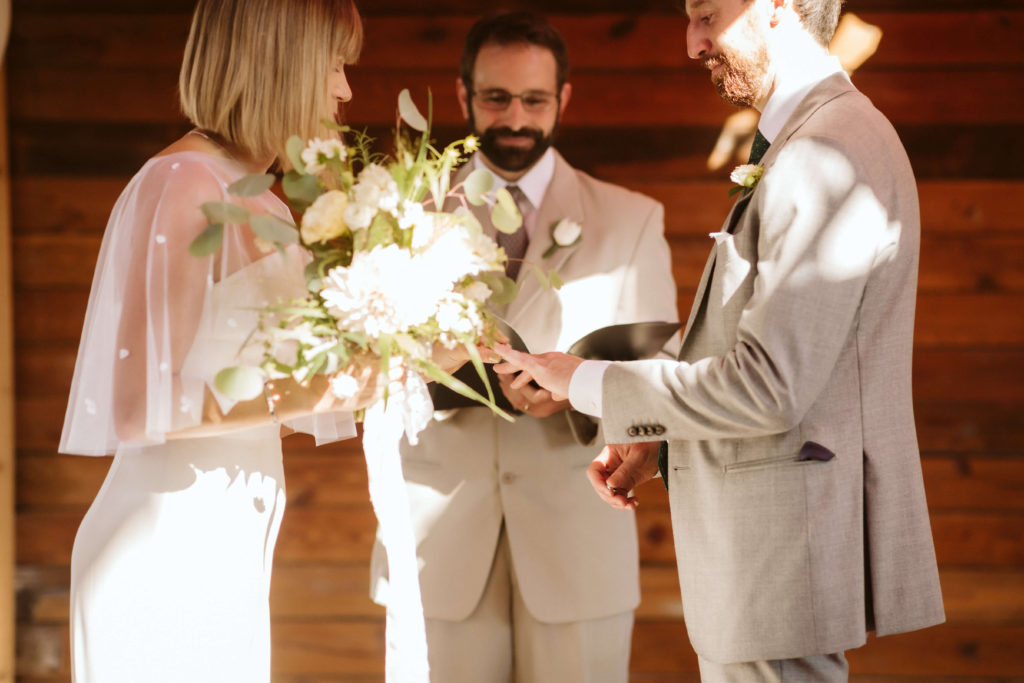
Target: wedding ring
pixel 617 491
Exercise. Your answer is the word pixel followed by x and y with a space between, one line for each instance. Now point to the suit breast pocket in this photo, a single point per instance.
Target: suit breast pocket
pixel 731 268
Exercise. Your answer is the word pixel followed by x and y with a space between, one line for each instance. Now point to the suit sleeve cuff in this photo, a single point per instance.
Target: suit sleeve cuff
pixel 585 387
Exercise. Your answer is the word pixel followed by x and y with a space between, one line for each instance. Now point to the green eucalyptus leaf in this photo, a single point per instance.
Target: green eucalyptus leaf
pixel 274 229
pixel 409 113
pixel 252 185
pixel 541 276
pixel 555 279
pixel 294 148
pixel 301 190
pixel 505 216
pixel 381 231
pixel 224 212
pixel 435 372
pixel 241 382
pixel 503 288
pixel 478 184
pixel 467 219
pixel 208 241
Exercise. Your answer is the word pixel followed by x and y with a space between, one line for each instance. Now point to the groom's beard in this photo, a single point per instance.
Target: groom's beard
pixel 508 158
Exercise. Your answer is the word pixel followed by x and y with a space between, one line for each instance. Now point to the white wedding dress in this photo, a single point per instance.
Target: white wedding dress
pixel 171 565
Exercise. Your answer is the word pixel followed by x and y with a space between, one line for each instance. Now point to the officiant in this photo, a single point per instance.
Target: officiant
pixel 525 574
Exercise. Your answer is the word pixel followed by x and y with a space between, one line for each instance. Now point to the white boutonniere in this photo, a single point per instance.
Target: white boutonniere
pixel 564 233
pixel 746 177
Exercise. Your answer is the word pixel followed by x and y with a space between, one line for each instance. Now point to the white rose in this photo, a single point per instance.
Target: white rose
pixel 325 219
pixel 566 232
pixel 747 175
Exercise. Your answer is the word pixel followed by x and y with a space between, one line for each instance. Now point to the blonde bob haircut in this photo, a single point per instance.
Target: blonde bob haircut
pixel 255 72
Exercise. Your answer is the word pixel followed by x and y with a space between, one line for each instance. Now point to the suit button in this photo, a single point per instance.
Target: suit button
pixel 507 477
pixel 659 430
pixel 633 431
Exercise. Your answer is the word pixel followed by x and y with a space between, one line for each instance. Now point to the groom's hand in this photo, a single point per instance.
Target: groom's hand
pixel 620 468
pixel 533 402
pixel 553 371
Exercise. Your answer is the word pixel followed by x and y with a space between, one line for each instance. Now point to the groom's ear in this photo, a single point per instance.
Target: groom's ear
pixel 463 94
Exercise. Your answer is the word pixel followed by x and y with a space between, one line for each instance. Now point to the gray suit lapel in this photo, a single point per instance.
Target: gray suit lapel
pixel 832 87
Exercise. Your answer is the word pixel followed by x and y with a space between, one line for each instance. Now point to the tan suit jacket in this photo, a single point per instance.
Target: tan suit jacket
pixel 575 558
pixel 798 507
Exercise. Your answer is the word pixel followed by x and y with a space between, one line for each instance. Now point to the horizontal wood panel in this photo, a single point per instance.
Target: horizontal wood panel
pixel 61 206
pixel 957 264
pixel 951 426
pixel 621 41
pixel 334 476
pixel 942 320
pixel 968 539
pixel 600 97
pixel 308 649
pixel 478 7
pixel 341 591
pixel 989 375
pixel 625 154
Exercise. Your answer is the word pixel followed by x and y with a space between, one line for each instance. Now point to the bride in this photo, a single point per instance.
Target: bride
pixel 171 565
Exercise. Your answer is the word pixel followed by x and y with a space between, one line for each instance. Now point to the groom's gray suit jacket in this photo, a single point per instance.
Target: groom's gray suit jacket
pixel 798 506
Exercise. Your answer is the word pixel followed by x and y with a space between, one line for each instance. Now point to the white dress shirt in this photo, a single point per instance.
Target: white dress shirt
pixel 585 384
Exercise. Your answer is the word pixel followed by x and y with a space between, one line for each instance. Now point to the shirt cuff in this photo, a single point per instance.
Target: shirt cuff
pixel 585 387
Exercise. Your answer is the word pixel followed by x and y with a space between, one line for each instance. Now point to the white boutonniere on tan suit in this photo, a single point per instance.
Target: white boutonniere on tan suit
pixel 564 233
pixel 746 177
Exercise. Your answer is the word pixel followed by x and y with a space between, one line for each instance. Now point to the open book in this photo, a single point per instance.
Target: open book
pixel 627 341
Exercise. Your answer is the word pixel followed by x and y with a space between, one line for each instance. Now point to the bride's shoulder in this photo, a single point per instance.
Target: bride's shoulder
pixel 187 171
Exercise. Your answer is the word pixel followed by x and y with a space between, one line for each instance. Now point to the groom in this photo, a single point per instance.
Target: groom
pixel 794 477
pixel 517 578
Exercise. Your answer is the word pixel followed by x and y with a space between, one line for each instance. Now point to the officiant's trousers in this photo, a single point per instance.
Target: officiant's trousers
pixel 501 642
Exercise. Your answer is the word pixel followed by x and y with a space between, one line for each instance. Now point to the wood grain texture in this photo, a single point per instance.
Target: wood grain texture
pixel 94 96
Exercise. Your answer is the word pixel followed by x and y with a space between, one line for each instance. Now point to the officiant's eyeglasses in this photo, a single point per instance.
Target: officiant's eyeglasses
pixel 496 99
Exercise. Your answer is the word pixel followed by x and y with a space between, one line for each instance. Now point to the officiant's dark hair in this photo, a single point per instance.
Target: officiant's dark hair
pixel 514 28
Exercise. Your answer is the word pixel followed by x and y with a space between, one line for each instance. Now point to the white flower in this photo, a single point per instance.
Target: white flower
pixel 385 291
pixel 477 291
pixel 326 218
pixel 376 188
pixel 344 386
pixel 319 151
pixel 564 233
pixel 746 176
pixel 359 216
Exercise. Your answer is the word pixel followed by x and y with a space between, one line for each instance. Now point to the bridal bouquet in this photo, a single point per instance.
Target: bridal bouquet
pixel 393 280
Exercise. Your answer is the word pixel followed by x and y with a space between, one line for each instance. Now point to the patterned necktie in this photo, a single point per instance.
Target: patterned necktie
pixel 759 147
pixel 515 243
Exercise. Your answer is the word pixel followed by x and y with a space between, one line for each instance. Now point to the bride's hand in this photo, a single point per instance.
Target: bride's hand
pixel 449 360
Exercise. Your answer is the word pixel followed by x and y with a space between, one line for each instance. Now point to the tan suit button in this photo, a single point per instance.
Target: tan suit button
pixel 507 477
pixel 659 430
pixel 633 431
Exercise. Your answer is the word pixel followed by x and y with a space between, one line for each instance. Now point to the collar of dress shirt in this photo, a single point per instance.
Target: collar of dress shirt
pixel 788 94
pixel 534 183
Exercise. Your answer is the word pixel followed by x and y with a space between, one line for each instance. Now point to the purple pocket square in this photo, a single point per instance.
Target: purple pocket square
pixel 814 451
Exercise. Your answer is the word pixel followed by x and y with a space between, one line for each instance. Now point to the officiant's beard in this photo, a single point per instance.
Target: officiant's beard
pixel 513 159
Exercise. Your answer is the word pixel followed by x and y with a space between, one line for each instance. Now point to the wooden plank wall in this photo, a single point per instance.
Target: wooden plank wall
pixel 92 95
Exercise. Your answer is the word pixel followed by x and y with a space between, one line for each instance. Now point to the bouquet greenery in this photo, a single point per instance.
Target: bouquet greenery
pixel 392 278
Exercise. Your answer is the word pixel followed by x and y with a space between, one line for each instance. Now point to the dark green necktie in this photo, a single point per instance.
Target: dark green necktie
pixel 759 147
